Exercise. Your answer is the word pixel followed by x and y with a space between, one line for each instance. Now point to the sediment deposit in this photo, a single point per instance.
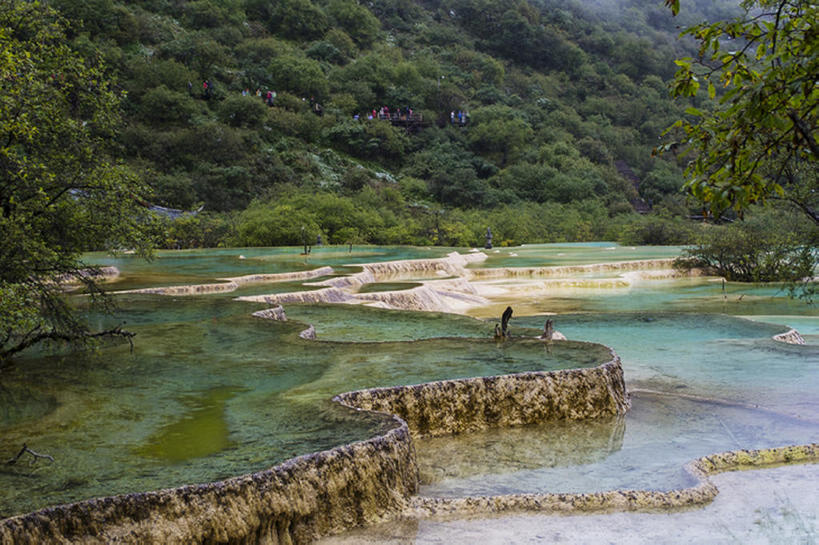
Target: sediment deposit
pixel 276 314
pixel 434 295
pixel 326 295
pixel 99 274
pixel 571 270
pixel 468 289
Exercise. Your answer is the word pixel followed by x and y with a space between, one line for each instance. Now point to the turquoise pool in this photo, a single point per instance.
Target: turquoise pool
pixel 210 392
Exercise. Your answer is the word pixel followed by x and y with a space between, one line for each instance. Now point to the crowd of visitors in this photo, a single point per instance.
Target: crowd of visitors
pixel 387 114
pixel 384 113
pixel 458 118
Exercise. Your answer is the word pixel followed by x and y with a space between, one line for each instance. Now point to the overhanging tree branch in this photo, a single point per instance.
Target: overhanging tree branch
pixel 55 335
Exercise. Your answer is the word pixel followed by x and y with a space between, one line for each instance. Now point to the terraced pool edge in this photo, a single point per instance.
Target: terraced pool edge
pixel 322 493
pixel 618 500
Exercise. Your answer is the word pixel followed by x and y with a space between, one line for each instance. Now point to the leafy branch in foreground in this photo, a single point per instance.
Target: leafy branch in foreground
pixel 759 142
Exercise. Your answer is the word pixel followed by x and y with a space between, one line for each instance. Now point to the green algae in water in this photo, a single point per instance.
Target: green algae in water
pixel 357 323
pixel 559 254
pixel 202 431
pixel 387 286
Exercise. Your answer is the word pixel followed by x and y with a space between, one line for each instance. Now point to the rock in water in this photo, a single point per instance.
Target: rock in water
pixel 276 313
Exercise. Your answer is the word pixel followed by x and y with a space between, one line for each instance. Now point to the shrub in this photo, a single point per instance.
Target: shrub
pixel 161 105
pixel 758 250
pixel 282 225
pixel 242 111
pixel 300 76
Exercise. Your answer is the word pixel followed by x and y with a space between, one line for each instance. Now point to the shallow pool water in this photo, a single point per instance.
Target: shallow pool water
pixel 771 506
pixel 547 255
pixel 211 392
pixel 700 384
pixel 168 268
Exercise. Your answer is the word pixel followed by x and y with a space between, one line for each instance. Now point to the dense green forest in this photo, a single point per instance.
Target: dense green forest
pixel 560 106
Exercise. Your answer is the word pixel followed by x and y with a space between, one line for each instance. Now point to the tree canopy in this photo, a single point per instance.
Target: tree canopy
pixel 60 193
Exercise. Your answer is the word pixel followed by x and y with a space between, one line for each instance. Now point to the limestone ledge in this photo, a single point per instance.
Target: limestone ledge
pixel 231 284
pixel 292 503
pixel 308 334
pixel 618 500
pixel 466 405
pixel 434 295
pixel 570 270
pixel 276 314
pixel 453 264
pixel 325 295
pixel 96 274
pixel 281 277
pixel 331 491
pixel 790 337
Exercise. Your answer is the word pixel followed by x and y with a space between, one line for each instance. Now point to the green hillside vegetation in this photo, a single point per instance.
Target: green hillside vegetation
pixel 557 96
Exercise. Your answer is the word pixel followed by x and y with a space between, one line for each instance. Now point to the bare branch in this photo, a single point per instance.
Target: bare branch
pixel 35 456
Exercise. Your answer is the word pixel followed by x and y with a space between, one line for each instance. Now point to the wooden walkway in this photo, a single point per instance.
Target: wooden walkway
pixel 412 122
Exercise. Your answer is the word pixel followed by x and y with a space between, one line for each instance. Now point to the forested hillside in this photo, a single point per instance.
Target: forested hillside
pixel 397 122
